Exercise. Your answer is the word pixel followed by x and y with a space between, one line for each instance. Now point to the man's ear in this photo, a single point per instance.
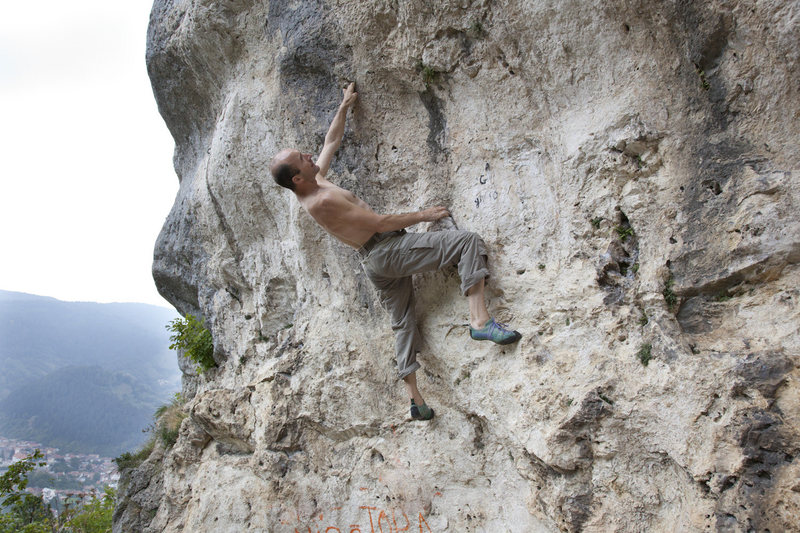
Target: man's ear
pixel 297 178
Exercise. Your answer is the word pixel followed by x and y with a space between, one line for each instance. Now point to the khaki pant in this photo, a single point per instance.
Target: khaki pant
pixel 390 264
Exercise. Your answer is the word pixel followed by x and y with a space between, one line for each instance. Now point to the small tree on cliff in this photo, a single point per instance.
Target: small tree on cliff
pixel 189 335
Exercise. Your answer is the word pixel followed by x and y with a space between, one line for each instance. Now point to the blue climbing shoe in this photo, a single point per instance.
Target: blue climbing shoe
pixel 495 332
pixel 420 412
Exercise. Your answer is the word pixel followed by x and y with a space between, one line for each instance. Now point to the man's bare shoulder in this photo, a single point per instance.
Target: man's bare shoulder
pixel 325 203
pixel 324 197
pixel 330 194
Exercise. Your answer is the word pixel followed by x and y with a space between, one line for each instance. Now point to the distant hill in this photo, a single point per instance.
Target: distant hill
pixel 81 409
pixel 82 376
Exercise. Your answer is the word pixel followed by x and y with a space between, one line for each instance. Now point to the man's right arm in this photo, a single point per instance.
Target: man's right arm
pixel 396 222
pixel 338 214
pixel 334 136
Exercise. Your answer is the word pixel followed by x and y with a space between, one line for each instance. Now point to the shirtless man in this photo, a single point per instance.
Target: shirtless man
pixel 390 255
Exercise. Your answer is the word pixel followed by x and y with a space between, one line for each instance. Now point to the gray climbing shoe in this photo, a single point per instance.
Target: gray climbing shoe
pixel 495 332
pixel 420 412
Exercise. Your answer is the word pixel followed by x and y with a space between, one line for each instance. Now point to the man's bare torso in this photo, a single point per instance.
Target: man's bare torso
pixel 347 233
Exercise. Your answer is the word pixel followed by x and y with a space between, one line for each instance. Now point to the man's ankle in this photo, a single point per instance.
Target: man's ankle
pixel 479 324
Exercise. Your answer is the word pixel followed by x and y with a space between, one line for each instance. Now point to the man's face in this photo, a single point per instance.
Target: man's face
pixel 304 163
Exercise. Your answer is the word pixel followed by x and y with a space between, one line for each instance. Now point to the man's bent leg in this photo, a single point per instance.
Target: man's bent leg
pixel 473 273
pixel 397 297
pixel 478 314
pixel 463 248
pixel 415 253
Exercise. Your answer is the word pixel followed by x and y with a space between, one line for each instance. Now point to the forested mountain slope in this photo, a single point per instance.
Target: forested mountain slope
pixel 82 376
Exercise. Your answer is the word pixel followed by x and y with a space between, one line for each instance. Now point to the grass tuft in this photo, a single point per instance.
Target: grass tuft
pixel 168 420
pixel 624 232
pixel 669 295
pixel 722 296
pixel 703 80
pixel 605 398
pixel 477 29
pixel 132 460
pixel 645 354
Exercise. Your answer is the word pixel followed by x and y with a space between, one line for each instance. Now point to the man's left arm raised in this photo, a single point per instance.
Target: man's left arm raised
pixel 334 136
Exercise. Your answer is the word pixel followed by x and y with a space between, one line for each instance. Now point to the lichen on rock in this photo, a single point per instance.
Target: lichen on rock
pixel 633 168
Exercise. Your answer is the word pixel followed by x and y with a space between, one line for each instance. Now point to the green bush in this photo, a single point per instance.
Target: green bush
pixel 93 516
pixel 11 523
pixel 195 340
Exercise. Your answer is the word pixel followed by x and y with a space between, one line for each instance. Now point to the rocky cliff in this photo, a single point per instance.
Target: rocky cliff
pixel 633 167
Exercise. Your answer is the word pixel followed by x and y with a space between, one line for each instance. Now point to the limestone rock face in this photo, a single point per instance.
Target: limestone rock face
pixel 633 168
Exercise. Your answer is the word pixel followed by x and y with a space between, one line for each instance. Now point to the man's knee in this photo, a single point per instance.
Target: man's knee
pixel 472 241
pixel 404 324
pixel 472 238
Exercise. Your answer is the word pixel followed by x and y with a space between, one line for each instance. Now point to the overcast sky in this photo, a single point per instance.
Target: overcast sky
pixel 85 159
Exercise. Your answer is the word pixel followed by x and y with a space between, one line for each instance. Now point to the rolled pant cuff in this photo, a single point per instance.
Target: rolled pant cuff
pixel 473 280
pixel 409 370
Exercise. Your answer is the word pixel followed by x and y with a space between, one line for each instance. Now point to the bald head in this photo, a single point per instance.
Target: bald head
pixel 283 170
